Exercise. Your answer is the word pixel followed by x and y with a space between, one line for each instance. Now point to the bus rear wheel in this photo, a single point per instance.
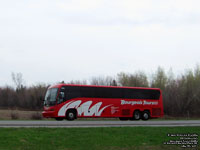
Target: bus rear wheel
pixel 70 115
pixel 136 115
pixel 145 115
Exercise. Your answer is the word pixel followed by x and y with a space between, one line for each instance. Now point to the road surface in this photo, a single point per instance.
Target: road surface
pixel 99 123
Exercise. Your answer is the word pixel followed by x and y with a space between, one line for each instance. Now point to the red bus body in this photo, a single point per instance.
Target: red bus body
pixel 104 107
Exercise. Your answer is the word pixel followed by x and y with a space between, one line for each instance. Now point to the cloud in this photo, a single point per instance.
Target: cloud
pixel 130 12
pixel 102 12
pixel 79 5
pixel 49 40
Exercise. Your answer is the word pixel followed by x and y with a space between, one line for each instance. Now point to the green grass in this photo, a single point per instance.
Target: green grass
pixel 117 138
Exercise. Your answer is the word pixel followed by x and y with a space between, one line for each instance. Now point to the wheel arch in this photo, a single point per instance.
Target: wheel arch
pixel 148 110
pixel 137 109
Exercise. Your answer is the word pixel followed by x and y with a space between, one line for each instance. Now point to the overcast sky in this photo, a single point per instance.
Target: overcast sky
pixel 54 40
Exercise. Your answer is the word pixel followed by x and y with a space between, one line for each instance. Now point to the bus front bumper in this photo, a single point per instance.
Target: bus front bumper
pixel 48 114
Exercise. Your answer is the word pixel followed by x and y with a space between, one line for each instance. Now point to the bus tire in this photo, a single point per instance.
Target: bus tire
pixel 70 115
pixel 145 115
pixel 136 115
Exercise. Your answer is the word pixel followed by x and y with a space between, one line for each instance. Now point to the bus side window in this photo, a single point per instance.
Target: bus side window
pixel 61 97
pixel 72 92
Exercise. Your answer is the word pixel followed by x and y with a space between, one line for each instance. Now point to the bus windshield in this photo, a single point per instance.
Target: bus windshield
pixel 50 97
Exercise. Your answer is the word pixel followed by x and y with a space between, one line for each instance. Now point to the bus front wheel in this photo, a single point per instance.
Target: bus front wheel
pixel 70 115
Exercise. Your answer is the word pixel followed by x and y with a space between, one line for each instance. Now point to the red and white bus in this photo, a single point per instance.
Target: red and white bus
pixel 64 101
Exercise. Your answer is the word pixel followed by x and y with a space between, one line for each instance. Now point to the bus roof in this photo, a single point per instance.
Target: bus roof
pixel 60 85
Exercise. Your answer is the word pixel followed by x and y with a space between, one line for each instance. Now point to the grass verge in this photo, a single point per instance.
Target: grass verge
pixel 117 138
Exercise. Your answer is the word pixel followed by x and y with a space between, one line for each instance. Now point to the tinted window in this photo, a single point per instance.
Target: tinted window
pixel 102 93
pixel 141 94
pixel 72 92
pixel 61 95
pixel 99 92
pixel 87 91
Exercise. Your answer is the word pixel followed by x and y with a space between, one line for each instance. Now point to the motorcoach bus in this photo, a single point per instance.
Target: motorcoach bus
pixel 64 101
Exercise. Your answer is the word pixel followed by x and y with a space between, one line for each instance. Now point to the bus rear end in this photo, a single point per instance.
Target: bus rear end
pixel 157 111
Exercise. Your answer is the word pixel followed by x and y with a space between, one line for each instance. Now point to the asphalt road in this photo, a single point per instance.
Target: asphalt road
pixel 99 123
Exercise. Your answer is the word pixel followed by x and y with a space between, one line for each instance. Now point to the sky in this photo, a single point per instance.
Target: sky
pixel 55 40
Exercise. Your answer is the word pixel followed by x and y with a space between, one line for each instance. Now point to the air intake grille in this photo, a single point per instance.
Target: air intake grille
pixel 125 112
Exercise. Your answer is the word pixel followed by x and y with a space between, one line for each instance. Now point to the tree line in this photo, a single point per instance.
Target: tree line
pixel 181 94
